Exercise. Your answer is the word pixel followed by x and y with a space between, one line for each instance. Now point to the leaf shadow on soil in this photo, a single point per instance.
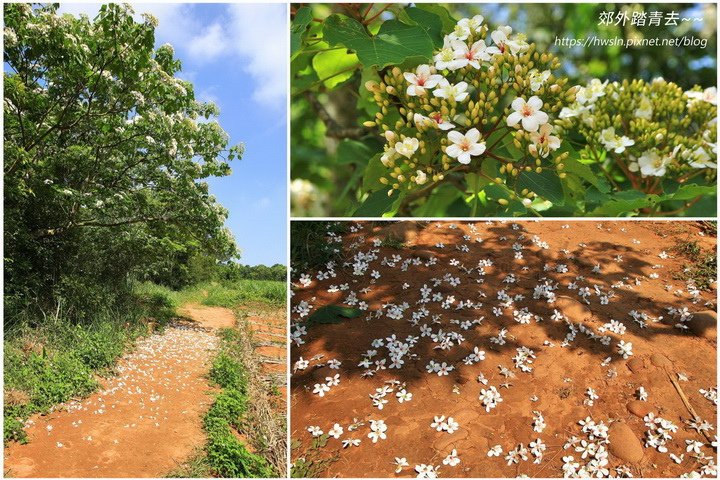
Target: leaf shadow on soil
pixel 350 339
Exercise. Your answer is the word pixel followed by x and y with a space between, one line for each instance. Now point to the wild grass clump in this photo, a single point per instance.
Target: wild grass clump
pixel 701 267
pixel 310 248
pixel 227 456
pixel 244 291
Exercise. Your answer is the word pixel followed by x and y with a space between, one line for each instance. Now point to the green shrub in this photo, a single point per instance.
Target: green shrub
pixel 12 427
pixel 99 346
pixel 227 455
pixel 228 373
pixel 230 458
pixel 230 405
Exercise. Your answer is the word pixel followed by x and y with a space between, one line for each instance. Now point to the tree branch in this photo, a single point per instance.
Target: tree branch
pixel 333 128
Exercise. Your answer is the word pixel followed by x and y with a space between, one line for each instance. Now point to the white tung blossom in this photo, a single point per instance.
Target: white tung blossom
pixel 465 146
pixel 528 113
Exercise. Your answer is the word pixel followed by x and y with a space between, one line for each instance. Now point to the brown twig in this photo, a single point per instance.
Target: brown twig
pixel 333 128
pixel 367 21
pixel 686 402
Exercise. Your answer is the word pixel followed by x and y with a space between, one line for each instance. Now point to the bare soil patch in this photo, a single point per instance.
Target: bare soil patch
pixel 142 423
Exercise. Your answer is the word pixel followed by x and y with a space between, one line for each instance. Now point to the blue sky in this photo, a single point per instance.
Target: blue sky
pixel 236 56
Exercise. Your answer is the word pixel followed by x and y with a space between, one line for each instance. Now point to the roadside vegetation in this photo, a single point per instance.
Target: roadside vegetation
pixel 50 359
pixel 227 454
pixel 246 433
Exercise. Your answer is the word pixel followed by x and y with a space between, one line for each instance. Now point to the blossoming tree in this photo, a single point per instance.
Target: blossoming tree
pixel 106 150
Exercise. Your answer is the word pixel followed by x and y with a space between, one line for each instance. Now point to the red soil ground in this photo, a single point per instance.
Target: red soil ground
pixel 557 385
pixel 144 422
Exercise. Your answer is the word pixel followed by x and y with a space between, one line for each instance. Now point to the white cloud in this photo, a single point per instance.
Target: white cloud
pixel 253 35
pixel 259 36
pixel 210 44
pixel 176 22
pixel 262 203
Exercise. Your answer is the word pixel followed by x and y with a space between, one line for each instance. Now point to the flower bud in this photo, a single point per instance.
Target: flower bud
pixel 372 86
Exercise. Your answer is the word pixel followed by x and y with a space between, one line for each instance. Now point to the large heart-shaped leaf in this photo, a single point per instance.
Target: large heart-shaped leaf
pixel 546 184
pixel 394 43
pixel 429 21
pixel 334 67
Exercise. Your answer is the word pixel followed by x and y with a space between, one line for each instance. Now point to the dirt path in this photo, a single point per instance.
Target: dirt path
pixel 142 422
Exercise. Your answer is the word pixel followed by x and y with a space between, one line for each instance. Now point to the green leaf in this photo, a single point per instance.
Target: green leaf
pixel 300 23
pixel 585 172
pixel 691 191
pixel 366 102
pixel 496 192
pixel 475 184
pixel 428 21
pixel 546 184
pixel 375 204
pixel 490 167
pixel 706 207
pixel 394 43
pixel 353 151
pixel 438 201
pixel 320 441
pixel 334 67
pixel 627 202
pixel 374 170
pixel 448 22
pixel 516 209
pixel 332 314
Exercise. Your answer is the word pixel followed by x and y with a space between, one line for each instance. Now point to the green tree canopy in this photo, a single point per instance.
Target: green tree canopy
pixel 106 152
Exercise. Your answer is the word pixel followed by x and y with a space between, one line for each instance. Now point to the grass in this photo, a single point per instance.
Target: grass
pixel 701 267
pixel 244 406
pixel 221 294
pixel 52 359
pixel 309 246
pixel 247 291
pixel 226 455
pixel 262 422
pixel 195 467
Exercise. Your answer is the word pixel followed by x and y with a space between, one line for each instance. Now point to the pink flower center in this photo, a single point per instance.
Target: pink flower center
pixel 526 110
